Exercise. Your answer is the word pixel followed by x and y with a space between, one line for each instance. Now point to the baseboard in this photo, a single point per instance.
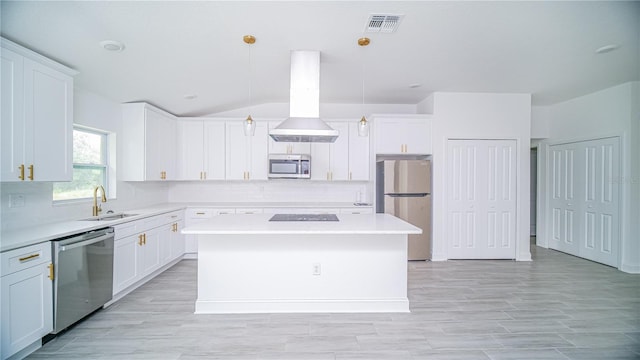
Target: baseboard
pixel 301 306
pixel 630 268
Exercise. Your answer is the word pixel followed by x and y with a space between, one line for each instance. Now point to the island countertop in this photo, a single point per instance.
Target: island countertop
pixel 259 224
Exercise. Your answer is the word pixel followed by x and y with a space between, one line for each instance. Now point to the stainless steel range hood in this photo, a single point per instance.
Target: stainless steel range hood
pixel 304 123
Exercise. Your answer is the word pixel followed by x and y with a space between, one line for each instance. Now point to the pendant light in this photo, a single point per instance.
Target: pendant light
pixel 363 125
pixel 249 124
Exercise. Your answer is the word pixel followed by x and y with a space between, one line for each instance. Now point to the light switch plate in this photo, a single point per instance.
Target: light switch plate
pixel 16 200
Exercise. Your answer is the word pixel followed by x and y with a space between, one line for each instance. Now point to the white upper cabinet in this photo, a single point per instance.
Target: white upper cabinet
pixel 358 154
pixel 37 117
pixel 201 149
pixel 149 143
pixel 246 156
pixel 404 134
pixel 276 147
pixel 345 159
pixel 330 161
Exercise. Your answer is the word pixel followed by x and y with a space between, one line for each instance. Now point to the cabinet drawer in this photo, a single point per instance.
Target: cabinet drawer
pixel 200 213
pixel 249 211
pixel 26 257
pixel 126 229
pixel 172 217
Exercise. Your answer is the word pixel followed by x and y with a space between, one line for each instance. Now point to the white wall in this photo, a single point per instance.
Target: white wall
pixel 94 111
pixel 609 112
pixel 540 119
pixel 480 116
pixel 267 191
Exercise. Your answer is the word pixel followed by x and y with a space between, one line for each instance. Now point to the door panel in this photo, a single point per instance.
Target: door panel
pixel 585 215
pixel 482 199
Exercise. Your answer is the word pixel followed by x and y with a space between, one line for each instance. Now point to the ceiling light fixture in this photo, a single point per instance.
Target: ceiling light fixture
pixel 190 96
pixel 249 123
pixel 112 45
pixel 363 125
pixel 607 48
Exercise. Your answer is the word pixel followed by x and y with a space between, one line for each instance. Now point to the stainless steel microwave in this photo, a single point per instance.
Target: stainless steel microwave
pixel 289 166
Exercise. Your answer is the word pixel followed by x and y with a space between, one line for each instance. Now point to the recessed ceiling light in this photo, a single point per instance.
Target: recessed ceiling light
pixel 190 96
pixel 112 45
pixel 607 48
pixel 414 85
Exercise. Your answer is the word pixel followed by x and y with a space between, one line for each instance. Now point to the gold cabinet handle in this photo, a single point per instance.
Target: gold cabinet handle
pixel 205 175
pixel 31 172
pixel 144 239
pixel 51 275
pixel 199 213
pixel 350 175
pixel 21 168
pixel 30 257
pixel 140 240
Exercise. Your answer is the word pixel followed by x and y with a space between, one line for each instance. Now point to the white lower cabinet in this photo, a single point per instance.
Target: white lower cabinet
pixel 145 246
pixel 26 299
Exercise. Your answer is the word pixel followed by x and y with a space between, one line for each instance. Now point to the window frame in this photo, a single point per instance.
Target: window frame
pixel 106 165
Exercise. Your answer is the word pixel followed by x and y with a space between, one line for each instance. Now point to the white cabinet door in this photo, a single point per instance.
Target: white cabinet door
pixel 403 135
pixel 276 147
pixel 13 125
pixel 330 161
pixel 150 142
pixel 160 146
pixel 126 258
pixel 151 249
pixel 358 155
pixel 246 156
pixel 201 149
pixel 165 234
pixel 214 151
pixel 259 153
pixel 27 308
pixel 237 151
pixel 49 108
pixel 177 240
pixel 191 149
pixel 481 199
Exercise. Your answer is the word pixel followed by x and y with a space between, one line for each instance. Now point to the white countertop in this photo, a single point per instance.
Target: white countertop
pixel 259 224
pixel 18 238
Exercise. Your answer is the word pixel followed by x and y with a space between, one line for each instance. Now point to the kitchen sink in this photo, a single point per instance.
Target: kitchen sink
pixel 109 217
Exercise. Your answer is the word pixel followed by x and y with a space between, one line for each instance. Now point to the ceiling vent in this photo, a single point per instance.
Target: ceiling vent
pixel 383 23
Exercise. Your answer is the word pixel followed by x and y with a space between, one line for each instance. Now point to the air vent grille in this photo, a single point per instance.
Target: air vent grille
pixel 384 23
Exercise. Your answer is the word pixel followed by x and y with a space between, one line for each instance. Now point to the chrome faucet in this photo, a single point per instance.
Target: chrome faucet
pixel 97 209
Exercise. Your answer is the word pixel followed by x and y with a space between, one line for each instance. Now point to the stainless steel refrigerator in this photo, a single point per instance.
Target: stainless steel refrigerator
pixel 403 189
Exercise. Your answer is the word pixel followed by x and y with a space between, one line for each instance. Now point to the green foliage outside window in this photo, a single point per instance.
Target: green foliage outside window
pixel 89 166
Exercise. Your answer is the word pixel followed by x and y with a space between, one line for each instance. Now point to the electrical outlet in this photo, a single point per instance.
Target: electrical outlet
pixel 16 200
pixel 316 269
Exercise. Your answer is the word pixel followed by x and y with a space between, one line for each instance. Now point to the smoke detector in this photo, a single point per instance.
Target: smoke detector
pixel 383 23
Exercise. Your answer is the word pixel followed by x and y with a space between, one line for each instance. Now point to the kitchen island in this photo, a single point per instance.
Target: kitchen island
pixel 247 264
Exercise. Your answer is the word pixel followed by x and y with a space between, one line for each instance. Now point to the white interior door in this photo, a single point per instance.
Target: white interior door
pixel 481 199
pixel 584 201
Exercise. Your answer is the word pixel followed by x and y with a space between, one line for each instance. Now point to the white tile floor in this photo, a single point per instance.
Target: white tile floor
pixel 556 307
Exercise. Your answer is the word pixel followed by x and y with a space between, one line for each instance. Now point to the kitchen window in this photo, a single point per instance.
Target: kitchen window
pixel 91 166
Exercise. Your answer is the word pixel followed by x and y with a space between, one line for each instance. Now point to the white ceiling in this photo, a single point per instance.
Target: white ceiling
pixel 178 48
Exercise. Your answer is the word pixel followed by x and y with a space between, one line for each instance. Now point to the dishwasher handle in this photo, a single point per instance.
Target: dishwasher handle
pixel 90 241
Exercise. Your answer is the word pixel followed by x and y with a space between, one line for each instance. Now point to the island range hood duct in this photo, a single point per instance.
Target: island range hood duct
pixel 304 123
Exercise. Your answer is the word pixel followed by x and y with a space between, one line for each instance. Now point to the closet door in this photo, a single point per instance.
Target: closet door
pixel 481 199
pixel 585 203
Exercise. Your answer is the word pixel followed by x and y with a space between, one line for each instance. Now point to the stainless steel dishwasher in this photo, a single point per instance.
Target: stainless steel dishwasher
pixel 83 282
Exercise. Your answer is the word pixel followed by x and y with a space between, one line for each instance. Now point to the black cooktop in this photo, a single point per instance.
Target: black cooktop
pixel 304 217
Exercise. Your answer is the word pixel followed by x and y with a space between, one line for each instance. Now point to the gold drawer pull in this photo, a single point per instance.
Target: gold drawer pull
pixel 199 213
pixel 30 257
pixel 51 275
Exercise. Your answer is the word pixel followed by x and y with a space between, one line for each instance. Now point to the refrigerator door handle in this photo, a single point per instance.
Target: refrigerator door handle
pixel 407 195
